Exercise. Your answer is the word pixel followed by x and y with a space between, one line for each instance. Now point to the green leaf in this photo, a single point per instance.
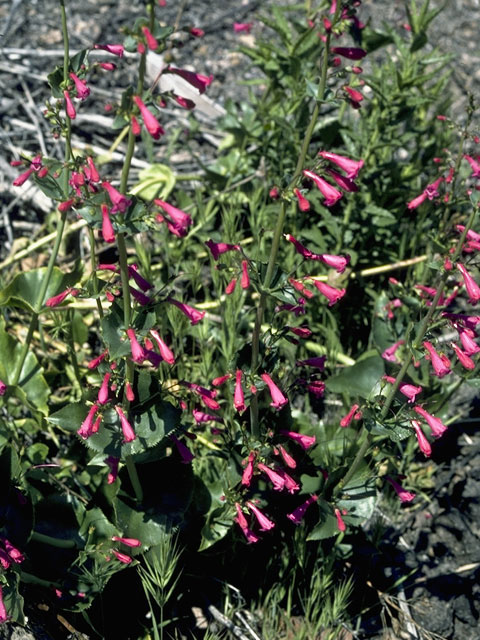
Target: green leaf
pixel 359 496
pixel 360 379
pixel 12 599
pixel 70 417
pixel 327 526
pixel 23 291
pixel 96 527
pixel 157 181
pixel 380 217
pixel 218 524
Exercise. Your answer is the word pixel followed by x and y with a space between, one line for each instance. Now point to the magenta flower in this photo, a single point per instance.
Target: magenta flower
pixel 15 554
pixel 138 353
pixel 192 314
pixel 152 125
pixel 297 515
pixel 299 286
pixel 197 80
pixel 3 388
pixel 200 417
pixel 408 390
pixel 333 295
pixel 275 478
pixel 351 167
pixel 121 557
pixel 278 399
pixel 340 523
pixel 353 94
pixel 69 108
pixel 128 433
pixel 345 421
pixel 287 458
pixel 230 288
pixel 339 263
pixel 102 397
pixel 119 201
pixel 304 441
pixel 303 203
pixel 136 128
pixel 435 424
pixel 179 220
pixel 217 248
pixel 23 177
pixel 432 189
pixel 165 352
pixel 463 357
pixel 352 53
pixel 317 361
pixel 403 494
pixel 389 353
pixel 263 521
pixel 243 524
pixel 245 281
pixel 129 392
pixel 244 27
pixel 3 612
pixel 196 32
pixel 115 49
pixel 93 364
pixel 471 286
pixel 247 474
pixel 108 234
pixel 185 453
pixel 217 382
pixel 290 484
pixel 86 428
pixel 440 363
pixel 129 542
pixel 343 182
pixel 238 396
pixel 80 86
pixel 58 299
pixel 139 280
pixel 303 251
pixel 331 194
pixel 423 443
pixel 416 202
pixel 107 66
pixel 112 463
pixel 475 166
pixel 468 343
pixel 140 297
pixel 151 41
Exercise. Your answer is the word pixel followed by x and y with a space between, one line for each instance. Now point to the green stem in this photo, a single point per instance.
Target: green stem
pixel 53 542
pixel 134 479
pixel 93 260
pixel 29 578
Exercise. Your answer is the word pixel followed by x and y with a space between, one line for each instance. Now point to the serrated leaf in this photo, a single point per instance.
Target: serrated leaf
pixel 69 417
pixel 327 526
pixel 96 527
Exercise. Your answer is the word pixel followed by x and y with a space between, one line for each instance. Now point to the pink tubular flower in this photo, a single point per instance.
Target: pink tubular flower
pixel 5 560
pixel 317 387
pixel 287 458
pixel 340 523
pixel 129 392
pixel 408 390
pixel 93 364
pixel 339 263
pixel 80 86
pixel 136 128
pixel 196 32
pixel 464 359
pixel 278 399
pixel 240 519
pixel 3 612
pixel 140 297
pixel 138 353
pixel 139 280
pixel 352 53
pixel 206 395
pixel 108 233
pixel 66 205
pixel 389 353
pixel 355 95
pixel 263 521
pixel 333 295
pixel 119 201
pixel 290 485
pixel 23 177
pixel 303 203
pixel 185 453
pixel 115 49
pixel 403 494
pixel 317 361
pixel 129 542
pixel 475 166
pixel 242 523
pixel 217 248
pixel 165 351
pixel 107 66
pixel 217 382
pixel 432 189
pixel 56 300
pixel 304 441
pixel 91 172
pixel 303 251
pixel 121 557
pixel 152 125
pixel 416 202
pixel 440 363
pixel 3 388
pixel 471 286
pixel 185 103
pixel 102 397
pixel 423 443
pixel 435 424
pixel 299 286
pixel 180 221
pixel 192 314
pixel 128 433
pixel 275 478
pixel 345 422
pixel 197 80
pixel 247 474
pixel 151 41
pixel 301 332
pixel 230 288
pixel 238 396
pixel 200 417
pixel 297 515
pixel 331 194
pixel 69 108
pixel 15 554
pixel 86 428
pixel 244 27
pixel 343 182
pixel 245 281
pixel 468 343
pixel 351 167
pixel 112 463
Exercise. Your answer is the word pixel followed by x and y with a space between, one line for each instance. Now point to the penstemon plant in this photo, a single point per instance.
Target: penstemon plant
pixel 194 361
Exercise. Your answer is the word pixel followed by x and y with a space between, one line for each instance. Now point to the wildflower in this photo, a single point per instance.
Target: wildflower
pixel 303 203
pixel 263 521
pixel 23 177
pixel 316 387
pixel 217 382
pixel 165 351
pixel 115 49
pixel 244 27
pixel 440 363
pixel 151 41
pixel 245 281
pixel 432 189
pixel 217 248
pixel 468 343
pixel 303 251
pixel 345 422
pixel 340 523
pixel 107 66
pixel 408 390
pixel 129 392
pixel 128 433
pixel 58 299
pixel 389 353
pixel 290 485
pixel 297 514
pixel 112 462
pixel 475 166
pixel 274 193
pixel 331 194
pixel 301 332
pixel 278 399
pixel 355 95
pixel 287 458
pixel 299 286
pixel 230 288
pixel 140 297
pixel 119 201
pixel 343 182
pixel 471 286
pixel 238 397
pixel 180 221
pixel 185 453
pixel 333 295
pixel 102 397
pixel 196 32
pixel 93 364
pixel 199 81
pixel 352 53
pixel 136 129
pixel 86 427
pixel 3 612
pixel 304 441
pixel 69 108
pixel 464 359
pixel 423 443
pixel 138 353
pixel 66 205
pixel 317 361
pixel 192 314
pixel 241 519
pixel 243 524
pixel 139 280
pixel 129 542
pixel 152 125
pixel 403 494
pixel 435 424
pixel 15 554
pixel 5 560
pixel 108 234
pixel 121 557
pixel 3 388
pixel 206 395
pixel 416 202
pixel 339 263
pixel 275 478
pixel 80 86
pixel 201 417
